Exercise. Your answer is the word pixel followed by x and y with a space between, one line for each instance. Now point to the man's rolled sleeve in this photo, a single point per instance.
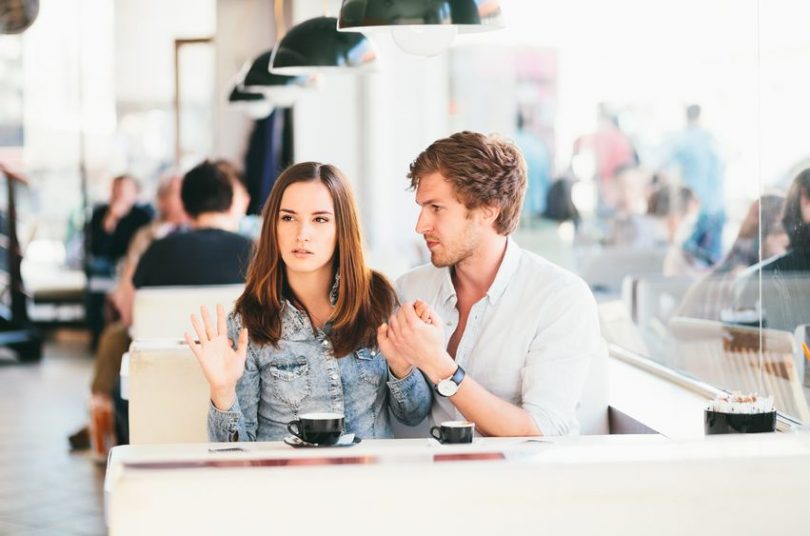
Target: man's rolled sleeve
pixel 558 361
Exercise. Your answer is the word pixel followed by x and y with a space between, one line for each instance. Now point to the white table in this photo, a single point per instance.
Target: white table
pixel 753 484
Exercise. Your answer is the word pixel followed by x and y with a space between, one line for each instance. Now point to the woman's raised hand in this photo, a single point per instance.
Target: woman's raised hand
pixel 222 363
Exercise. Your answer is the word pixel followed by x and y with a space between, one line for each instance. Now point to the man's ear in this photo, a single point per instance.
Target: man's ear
pixel 489 213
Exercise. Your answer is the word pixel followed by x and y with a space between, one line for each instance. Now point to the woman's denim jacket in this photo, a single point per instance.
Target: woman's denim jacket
pixel 301 375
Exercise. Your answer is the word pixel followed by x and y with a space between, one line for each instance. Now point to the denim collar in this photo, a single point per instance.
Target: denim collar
pixel 295 324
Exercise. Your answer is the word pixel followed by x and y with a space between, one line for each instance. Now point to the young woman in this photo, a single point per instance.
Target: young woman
pixel 302 337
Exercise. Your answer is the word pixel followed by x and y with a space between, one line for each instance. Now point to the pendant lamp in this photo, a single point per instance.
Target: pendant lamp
pixel 279 89
pixel 421 27
pixel 315 46
pixel 255 105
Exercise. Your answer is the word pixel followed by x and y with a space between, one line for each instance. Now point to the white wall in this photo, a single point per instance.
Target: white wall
pixel 244 30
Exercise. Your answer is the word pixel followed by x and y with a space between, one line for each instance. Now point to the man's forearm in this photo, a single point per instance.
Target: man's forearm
pixel 492 416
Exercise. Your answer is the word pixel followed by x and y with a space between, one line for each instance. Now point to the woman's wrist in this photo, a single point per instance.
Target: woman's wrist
pixel 223 398
pixel 400 370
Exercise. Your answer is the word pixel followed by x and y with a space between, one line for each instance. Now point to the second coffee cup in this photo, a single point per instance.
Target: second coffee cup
pixel 317 428
pixel 453 432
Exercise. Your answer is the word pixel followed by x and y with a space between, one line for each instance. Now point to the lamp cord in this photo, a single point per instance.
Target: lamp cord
pixel 278 13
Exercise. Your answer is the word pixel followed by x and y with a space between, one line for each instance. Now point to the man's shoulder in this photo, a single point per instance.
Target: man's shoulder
pixel 537 275
pixel 421 276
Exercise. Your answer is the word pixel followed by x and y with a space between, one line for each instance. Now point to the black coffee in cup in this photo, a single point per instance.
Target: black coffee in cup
pixel 453 432
pixel 317 428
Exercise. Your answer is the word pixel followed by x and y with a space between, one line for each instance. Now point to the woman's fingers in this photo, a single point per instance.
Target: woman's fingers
pixel 209 330
pixel 198 329
pixel 222 326
pixel 193 346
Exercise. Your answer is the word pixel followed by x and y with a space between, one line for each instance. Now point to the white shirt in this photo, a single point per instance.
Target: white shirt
pixel 529 341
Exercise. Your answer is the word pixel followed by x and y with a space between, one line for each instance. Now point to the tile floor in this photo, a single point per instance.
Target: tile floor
pixel 44 488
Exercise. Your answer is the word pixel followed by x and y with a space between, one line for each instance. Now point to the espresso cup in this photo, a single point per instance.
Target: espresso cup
pixel 317 428
pixel 453 432
pixel 717 422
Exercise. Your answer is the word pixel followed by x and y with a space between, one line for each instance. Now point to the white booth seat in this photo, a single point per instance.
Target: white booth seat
pixel 168 394
pixel 163 312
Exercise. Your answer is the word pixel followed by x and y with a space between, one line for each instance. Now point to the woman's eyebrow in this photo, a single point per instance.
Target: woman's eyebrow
pixel 316 213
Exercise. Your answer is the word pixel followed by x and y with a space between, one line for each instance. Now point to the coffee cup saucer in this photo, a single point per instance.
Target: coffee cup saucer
pixel 346 440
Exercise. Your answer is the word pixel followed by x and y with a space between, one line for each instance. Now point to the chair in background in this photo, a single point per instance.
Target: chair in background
pixel 605 269
pixel 741 358
pixel 163 312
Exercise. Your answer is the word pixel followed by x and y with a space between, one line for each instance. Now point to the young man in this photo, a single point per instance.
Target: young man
pixel 505 336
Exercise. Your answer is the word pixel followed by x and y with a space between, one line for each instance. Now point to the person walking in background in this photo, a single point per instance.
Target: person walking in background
pixel 612 151
pixel 538 166
pixel 696 160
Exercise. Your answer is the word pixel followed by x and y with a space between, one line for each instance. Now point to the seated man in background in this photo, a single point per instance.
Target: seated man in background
pixel 107 236
pixel 524 329
pixel 211 253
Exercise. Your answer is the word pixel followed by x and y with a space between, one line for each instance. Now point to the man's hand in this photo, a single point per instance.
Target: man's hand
pixel 415 333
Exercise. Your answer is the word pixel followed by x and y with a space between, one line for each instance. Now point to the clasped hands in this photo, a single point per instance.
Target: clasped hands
pixel 414 337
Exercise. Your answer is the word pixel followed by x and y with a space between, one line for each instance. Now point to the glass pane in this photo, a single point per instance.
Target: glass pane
pixel 660 170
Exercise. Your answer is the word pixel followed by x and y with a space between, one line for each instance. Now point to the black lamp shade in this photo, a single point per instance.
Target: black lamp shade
pixel 315 45
pixel 258 74
pixel 240 95
pixel 466 15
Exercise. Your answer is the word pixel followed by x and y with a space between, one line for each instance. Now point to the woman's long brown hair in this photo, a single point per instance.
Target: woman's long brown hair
pixel 365 298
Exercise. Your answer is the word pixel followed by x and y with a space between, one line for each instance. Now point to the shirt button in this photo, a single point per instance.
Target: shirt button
pixel 373 353
pixel 325 343
pixel 449 323
pixel 335 376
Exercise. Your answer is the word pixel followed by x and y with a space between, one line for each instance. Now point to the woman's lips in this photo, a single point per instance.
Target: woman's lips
pixel 301 253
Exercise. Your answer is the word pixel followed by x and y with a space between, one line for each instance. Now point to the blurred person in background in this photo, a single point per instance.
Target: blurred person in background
pixel 633 226
pixel 538 165
pixel 696 160
pixel 712 295
pixel 107 237
pixel 779 297
pixel 612 151
pixel 217 190
pixel 676 208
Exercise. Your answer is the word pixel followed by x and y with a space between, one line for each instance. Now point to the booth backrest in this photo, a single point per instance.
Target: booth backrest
pixel 168 394
pixel 163 312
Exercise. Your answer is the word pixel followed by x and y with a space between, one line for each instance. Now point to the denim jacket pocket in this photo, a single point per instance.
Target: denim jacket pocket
pixel 371 366
pixel 290 380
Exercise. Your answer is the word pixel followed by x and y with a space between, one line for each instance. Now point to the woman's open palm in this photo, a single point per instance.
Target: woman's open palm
pixel 222 363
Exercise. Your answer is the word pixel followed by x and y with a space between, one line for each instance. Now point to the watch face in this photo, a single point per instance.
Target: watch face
pixel 447 387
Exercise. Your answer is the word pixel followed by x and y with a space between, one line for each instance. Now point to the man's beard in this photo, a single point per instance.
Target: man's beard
pixel 460 249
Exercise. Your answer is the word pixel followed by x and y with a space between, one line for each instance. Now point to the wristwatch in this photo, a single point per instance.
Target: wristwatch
pixel 449 386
